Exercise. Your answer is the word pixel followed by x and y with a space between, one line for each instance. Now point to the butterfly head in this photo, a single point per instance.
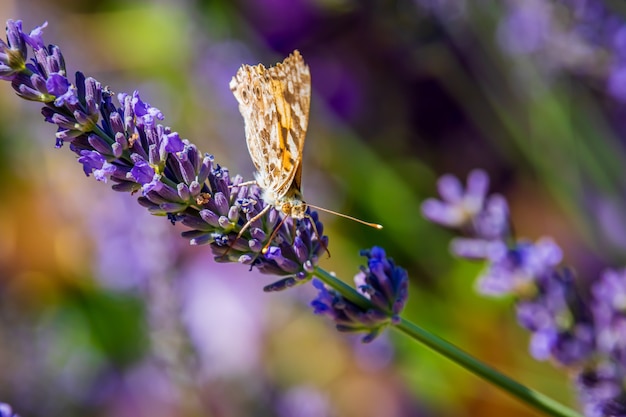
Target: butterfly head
pixel 293 207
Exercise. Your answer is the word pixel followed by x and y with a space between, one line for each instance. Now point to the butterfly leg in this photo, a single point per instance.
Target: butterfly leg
pixel 246 226
pixel 317 234
pixel 272 236
pixel 267 244
pixel 251 182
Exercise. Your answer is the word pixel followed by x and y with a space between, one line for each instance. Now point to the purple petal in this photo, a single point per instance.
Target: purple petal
pixel 35 38
pixel 142 172
pixel 450 189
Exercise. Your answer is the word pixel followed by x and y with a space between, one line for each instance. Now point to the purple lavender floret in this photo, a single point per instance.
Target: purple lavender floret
pixel 383 283
pixel 609 309
pixel 119 139
pixel 458 206
pixel 516 270
pixel 561 324
pixel 601 389
pixel 468 209
pixel 602 384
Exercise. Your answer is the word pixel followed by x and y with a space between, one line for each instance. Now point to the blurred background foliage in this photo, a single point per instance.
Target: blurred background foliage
pixel 105 310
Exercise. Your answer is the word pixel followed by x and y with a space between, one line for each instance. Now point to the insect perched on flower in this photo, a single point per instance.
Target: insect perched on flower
pixel 274 103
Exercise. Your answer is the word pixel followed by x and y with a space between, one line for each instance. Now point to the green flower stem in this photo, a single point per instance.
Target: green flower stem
pixel 527 395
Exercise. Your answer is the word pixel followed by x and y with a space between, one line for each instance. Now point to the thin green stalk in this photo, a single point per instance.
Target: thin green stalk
pixel 525 394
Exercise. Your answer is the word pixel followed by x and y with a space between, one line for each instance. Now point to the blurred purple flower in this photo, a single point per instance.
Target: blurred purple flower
pixel 225 318
pixel 602 384
pixel 7 411
pixel 375 356
pixel 457 206
pixel 601 389
pixel 548 303
pixel 609 309
pixel 580 37
pixel 526 27
pixel 483 218
pixel 492 222
pixel 513 267
pixel 477 249
pixel 583 332
pixel 303 401
pixel 516 270
pixel 616 82
pixel 561 325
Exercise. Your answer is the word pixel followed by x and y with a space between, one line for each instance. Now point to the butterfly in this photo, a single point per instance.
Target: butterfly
pixel 274 103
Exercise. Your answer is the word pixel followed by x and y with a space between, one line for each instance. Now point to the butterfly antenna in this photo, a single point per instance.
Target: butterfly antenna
pixel 374 225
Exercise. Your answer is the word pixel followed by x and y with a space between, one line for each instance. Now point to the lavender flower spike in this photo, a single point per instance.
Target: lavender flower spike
pixel 383 283
pixel 583 334
pixel 119 139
